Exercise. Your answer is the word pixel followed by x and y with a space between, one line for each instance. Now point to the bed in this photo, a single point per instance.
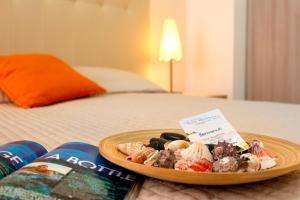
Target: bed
pixel 134 104
pixel 131 103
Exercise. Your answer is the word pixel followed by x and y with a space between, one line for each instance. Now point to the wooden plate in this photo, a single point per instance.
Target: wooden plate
pixel 287 152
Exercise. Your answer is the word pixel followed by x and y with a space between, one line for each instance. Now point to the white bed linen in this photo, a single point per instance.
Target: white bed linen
pixel 91 119
pixel 118 81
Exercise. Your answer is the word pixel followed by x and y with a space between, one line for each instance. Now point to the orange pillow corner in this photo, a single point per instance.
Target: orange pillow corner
pixel 34 80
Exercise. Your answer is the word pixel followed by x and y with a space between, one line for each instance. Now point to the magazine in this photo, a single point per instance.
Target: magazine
pixel 73 170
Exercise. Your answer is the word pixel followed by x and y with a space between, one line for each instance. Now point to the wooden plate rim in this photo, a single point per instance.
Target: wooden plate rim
pixel 280 170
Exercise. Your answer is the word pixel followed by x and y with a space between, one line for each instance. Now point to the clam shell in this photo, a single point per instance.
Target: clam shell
pixel 266 162
pixel 225 164
pixel 152 159
pixel 130 148
pixel 253 162
pixel 166 159
pixel 142 155
pixel 201 166
pixel 256 147
pixel 224 149
pixel 177 144
pixel 196 152
pixel 177 154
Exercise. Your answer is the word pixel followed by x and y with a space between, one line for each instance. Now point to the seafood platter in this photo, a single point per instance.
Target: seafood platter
pixel 168 154
pixel 174 151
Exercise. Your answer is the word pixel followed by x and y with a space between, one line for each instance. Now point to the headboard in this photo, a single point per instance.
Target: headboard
pixel 113 33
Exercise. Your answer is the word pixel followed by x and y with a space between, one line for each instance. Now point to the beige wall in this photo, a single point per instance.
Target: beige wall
pixel 126 34
pixel 209 52
pixel 113 33
pixel 158 71
pixel 214 36
pixel 240 50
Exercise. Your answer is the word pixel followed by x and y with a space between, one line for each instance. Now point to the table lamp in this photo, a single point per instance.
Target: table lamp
pixel 170 48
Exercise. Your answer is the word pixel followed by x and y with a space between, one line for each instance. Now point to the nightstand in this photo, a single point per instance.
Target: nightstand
pixel 221 96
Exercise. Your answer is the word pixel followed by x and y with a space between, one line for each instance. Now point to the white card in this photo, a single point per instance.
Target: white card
pixel 211 127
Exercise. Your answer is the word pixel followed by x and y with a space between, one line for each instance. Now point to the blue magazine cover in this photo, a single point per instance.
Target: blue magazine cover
pixel 73 170
pixel 17 154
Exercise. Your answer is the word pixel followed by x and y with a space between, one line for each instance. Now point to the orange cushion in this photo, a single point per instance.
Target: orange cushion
pixel 39 80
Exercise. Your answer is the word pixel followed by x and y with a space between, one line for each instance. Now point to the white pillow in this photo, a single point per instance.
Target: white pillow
pixel 117 81
pixel 4 98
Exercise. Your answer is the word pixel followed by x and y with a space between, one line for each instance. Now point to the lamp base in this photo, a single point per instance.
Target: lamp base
pixel 171 76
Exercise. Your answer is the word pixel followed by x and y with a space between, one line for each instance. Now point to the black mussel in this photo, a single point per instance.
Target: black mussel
pixel 157 143
pixel 210 147
pixel 172 136
pixel 162 140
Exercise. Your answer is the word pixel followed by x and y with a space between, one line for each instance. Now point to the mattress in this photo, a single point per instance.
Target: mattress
pixel 91 119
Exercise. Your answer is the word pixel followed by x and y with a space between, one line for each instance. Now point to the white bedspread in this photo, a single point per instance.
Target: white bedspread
pixel 91 119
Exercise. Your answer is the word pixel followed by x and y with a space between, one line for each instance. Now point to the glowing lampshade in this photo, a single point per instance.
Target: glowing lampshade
pixel 170 48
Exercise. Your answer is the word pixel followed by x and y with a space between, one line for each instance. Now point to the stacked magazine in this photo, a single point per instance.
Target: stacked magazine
pixel 73 170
